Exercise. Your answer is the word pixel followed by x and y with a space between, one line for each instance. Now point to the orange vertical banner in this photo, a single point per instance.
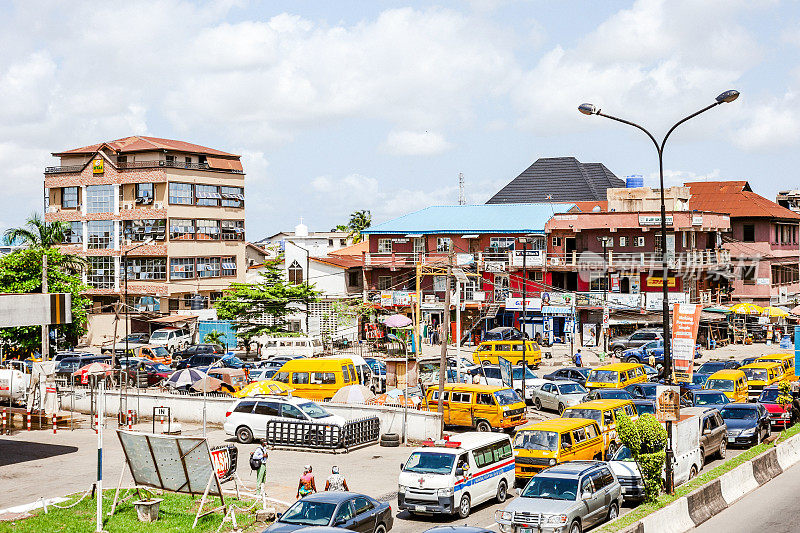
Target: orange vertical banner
pixel 685 323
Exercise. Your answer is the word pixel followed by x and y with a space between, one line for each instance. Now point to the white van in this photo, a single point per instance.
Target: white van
pixel 305 346
pixel 449 477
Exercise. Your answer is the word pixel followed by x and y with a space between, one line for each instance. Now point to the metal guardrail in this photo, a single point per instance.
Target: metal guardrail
pixel 144 164
pixel 299 433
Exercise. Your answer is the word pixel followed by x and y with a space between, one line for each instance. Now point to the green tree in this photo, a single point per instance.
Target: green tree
pixel 213 337
pixel 247 304
pixel 341 227
pixel 39 234
pixel 359 221
pixel 784 398
pixel 646 438
pixel 21 272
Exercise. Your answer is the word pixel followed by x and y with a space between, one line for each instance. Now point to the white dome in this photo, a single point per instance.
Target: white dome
pixel 301 230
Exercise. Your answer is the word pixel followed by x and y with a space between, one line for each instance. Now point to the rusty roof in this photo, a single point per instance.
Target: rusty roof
pixel 735 198
pixel 140 143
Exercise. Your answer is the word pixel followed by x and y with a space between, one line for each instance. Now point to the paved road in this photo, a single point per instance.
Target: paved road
pixel 773 507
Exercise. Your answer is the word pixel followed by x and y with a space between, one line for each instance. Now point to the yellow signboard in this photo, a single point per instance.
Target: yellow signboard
pixel 653 281
pixel 97 166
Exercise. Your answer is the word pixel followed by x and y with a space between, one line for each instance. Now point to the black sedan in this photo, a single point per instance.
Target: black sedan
pixel 608 394
pixel 577 374
pixel 643 390
pixel 344 510
pixel 703 397
pixel 748 423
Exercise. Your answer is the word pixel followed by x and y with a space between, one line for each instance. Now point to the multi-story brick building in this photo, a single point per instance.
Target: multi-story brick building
pixel 186 201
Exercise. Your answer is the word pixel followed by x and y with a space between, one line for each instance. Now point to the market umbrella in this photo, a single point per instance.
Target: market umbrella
pixel 207 384
pixel 185 378
pixel 774 312
pixel 93 369
pixel 795 310
pixel 395 397
pixel 396 321
pixel 747 309
pixel 265 386
pixel 353 394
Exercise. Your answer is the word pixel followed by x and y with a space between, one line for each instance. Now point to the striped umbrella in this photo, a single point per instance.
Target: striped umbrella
pixel 185 378
pixel 353 394
pixel 93 369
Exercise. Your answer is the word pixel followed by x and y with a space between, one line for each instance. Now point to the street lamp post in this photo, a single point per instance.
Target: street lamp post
pixel 589 109
pixel 147 241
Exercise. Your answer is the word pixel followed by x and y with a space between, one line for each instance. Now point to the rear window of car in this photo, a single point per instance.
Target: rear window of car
pixel 244 407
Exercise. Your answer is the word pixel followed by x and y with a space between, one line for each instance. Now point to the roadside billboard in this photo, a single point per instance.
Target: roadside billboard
pixel 685 323
pixel 505 372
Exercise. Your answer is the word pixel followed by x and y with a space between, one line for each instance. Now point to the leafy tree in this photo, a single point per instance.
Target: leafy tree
pixel 213 337
pixel 341 227
pixel 247 304
pixel 784 398
pixel 21 272
pixel 359 221
pixel 41 235
pixel 646 438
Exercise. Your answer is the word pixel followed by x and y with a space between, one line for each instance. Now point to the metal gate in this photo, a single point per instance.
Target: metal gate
pixel 299 433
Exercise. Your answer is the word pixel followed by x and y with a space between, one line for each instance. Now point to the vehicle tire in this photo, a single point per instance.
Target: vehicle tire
pixel 723 447
pixel 502 492
pixel 464 506
pixel 244 435
pixel 618 352
pixel 612 449
pixel 702 457
pixel 483 425
pixel 575 527
pixel 613 512
pixel 537 403
pixel 692 472
pixel 380 529
pixel 561 408
pixel 390 440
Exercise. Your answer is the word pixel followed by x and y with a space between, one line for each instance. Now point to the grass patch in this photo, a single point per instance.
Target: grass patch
pixel 176 514
pixel 665 499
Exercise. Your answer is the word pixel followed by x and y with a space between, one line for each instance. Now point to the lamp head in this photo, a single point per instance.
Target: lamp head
pixel 587 109
pixel 727 96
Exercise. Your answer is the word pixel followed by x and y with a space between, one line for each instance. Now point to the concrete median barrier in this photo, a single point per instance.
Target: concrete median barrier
pixel 706 502
pixel 738 482
pixel 673 518
pixel 788 453
pixel 766 467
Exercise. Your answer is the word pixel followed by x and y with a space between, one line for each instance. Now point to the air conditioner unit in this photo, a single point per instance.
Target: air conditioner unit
pixel 52 209
pixel 158 205
pixel 127 205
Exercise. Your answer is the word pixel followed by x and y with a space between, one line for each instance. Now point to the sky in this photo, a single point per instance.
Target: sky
pixel 379 105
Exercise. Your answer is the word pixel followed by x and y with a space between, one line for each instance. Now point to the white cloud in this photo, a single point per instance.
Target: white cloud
pixel 674 178
pixel 771 125
pixel 415 143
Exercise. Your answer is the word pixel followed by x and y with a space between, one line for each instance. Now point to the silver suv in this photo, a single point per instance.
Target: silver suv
pixel 568 497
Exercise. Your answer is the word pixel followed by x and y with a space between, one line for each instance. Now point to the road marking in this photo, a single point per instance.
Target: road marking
pixel 491 526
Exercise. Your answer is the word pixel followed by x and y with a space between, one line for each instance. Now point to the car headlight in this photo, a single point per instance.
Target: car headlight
pixel 401 488
pixel 554 519
pixel 445 492
pixel 504 516
pixel 552 462
pixel 748 432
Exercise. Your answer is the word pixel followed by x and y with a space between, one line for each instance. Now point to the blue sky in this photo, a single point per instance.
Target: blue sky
pixel 338 106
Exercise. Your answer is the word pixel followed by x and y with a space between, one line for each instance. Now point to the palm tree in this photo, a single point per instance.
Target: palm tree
pixel 359 221
pixel 340 227
pixel 38 233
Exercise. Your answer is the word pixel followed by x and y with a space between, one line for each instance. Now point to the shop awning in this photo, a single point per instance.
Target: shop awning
pixel 224 164
pixel 173 319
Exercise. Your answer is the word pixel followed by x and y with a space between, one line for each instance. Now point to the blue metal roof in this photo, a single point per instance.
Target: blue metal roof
pixel 482 218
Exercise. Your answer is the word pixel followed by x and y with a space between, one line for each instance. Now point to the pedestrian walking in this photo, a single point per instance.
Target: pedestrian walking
pixel 336 481
pixel 651 360
pixel 259 458
pixel 578 358
pixel 307 484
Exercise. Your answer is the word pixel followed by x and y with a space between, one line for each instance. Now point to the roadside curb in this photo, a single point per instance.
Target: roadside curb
pixel 711 499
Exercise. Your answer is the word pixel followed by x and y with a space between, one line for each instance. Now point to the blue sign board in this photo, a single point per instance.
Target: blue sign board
pixel 796 348
pixel 505 371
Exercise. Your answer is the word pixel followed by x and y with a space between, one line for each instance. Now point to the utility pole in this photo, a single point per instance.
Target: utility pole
pixel 458 331
pixel 45 327
pixel 445 332
pixel 417 343
pixel 524 315
pixel 605 297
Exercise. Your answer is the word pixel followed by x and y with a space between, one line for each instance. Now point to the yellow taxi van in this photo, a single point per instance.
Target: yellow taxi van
pixel 786 359
pixel 318 378
pixel 604 412
pixel 544 444
pixel 761 374
pixel 616 376
pixel 732 382
pixel 489 352
pixel 483 407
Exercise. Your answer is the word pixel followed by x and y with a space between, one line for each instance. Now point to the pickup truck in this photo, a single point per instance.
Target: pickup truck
pixel 135 340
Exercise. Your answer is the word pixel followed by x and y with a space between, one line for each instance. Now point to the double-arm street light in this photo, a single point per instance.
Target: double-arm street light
pixel 589 109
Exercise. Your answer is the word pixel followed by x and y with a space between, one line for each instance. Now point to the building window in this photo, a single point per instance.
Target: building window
pixel 538 243
pixel 232 230
pixel 693 240
pixel 384 283
pixel 384 246
pixel 69 197
pixel 73 233
pixel 207 230
pixel 229 266
pixel 419 245
pixel 99 198
pixel 640 242
pixel 443 244
pixel 342 242
pixel 598 281
pixel 181 229
pixel 148 228
pixel 181 268
pixel 208 267
pixel 295 273
pixel 100 234
pixel 207 195
pixel 330 243
pixel 122 160
pixel 143 304
pixel 141 268
pixel 170 160
pixel 748 233
pixel 538 275
pixel 232 196
pixel 502 244
pixel 144 193
pixel 439 283
pixel 181 193
pixel 623 242
pixel 353 278
pixel 100 273
pixel 556 242
pixel 174 305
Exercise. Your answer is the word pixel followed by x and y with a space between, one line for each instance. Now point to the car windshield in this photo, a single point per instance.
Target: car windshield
pixel 551 488
pixel 232 360
pixel 603 376
pixel 571 388
pixel 591 414
pixel 623 454
pixel 309 513
pixel 719 384
pixel 614 394
pixel 645 408
pixel 757 374
pixel 160 367
pixel 710 368
pixel 769 396
pixel 733 413
pixel 430 463
pixel 699 379
pixel 710 398
pixel 135 337
pixel 506 397
pixel 528 374
pixel 159 351
pixel 159 335
pixel 536 440
pixel 313 410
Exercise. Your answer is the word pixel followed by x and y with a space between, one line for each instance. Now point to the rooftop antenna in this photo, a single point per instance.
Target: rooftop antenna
pixel 462 200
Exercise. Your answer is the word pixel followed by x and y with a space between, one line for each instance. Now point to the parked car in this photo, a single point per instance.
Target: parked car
pixel 713 431
pixel 204 360
pixel 378 369
pixel 199 349
pixel 143 371
pixel 247 418
pixel 618 345
pixel 75 353
pixel 344 510
pixel 748 360
pixel 748 423
pixel 457 529
pixel 700 398
pixel 134 340
pixel 260 374
pixel 490 375
pixel 293 346
pixel 68 365
pixel 644 406
pixel 652 373
pixel 607 394
pixel 503 333
pixel 558 395
pixel 780 417
pixel 577 374
pixel 575 495
pixel 643 390
pixel 173 339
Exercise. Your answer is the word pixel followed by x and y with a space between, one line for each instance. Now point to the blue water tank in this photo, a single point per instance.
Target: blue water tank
pixel 634 181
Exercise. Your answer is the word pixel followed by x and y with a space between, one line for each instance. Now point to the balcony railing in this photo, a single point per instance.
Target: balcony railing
pixel 637 261
pixel 144 164
pixel 492 261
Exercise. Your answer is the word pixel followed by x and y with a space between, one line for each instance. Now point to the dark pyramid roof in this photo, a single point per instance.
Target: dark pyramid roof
pixel 565 179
